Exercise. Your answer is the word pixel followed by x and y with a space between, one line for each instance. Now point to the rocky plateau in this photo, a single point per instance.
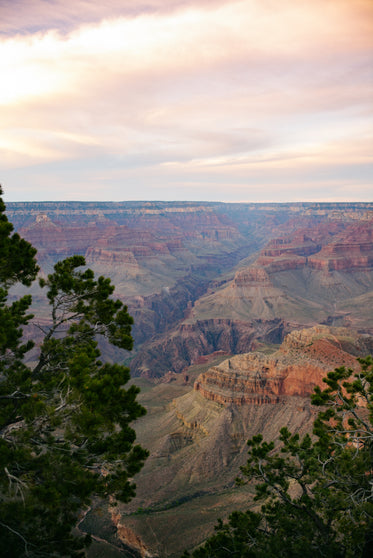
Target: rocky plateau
pixel 299 365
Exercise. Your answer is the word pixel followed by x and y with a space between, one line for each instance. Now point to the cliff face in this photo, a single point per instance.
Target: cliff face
pixel 288 253
pixel 135 235
pixel 159 256
pixel 349 252
pixel 55 242
pixel 186 344
pixel 152 229
pixel 295 369
pixel 342 249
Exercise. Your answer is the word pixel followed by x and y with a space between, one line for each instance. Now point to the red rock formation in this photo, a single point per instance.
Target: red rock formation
pixel 282 263
pixel 109 257
pixel 204 359
pixel 295 369
pixel 290 252
pixel 188 342
pixel 324 248
pixel 297 243
pixel 146 233
pixel 351 251
pixel 253 276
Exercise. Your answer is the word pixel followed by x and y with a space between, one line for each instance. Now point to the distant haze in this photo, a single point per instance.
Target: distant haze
pixel 251 100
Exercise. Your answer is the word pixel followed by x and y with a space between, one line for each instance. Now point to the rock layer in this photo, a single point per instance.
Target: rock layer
pixel 187 343
pixel 351 251
pixel 295 369
pixel 348 249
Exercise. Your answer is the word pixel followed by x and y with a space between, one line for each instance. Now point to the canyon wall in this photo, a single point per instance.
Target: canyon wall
pixel 298 366
pixel 206 277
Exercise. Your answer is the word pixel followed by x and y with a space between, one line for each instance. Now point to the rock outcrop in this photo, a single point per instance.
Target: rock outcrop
pixel 289 252
pixel 294 369
pixel 343 249
pixel 186 344
pixel 350 252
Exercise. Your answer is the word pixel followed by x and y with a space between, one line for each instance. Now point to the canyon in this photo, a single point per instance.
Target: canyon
pixel 240 310
pixel 204 277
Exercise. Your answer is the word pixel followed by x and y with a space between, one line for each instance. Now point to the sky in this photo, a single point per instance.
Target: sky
pixel 213 100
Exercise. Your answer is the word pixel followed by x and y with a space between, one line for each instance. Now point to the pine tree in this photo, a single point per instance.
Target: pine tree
pixel 65 434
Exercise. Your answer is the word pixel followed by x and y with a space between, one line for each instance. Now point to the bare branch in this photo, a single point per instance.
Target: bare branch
pixel 18 535
pixel 16 395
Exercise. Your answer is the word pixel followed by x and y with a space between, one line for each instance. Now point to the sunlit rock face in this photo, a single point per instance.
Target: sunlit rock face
pixel 294 369
pixel 336 248
pixel 352 251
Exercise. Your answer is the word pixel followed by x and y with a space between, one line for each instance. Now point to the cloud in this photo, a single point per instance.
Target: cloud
pixel 66 15
pixel 179 90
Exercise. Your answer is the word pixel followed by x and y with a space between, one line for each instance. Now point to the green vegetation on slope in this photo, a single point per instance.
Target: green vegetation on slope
pixel 65 432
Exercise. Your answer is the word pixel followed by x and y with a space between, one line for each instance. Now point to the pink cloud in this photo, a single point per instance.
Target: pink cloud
pixel 231 93
pixel 23 16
